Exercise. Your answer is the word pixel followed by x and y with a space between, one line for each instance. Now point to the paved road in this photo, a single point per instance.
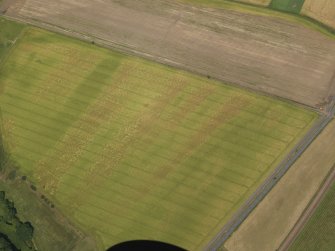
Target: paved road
pixel 272 180
pixel 266 187
pixel 308 212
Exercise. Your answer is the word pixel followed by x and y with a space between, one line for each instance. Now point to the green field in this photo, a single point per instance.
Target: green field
pixel 318 234
pixel 287 5
pixel 9 33
pixel 130 149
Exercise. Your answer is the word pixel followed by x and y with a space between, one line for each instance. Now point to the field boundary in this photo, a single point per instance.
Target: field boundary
pixel 219 102
pixel 272 180
pixel 264 10
pixel 309 211
pixel 304 17
pixel 55 213
pixel 121 48
pixel 6 167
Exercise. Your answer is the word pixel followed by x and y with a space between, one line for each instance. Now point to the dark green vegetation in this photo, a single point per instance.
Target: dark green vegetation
pixel 319 232
pixel 293 6
pixel 52 231
pixel 9 33
pixel 6 244
pixel 15 234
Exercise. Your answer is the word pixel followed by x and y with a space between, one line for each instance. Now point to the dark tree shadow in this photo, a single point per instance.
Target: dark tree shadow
pixel 144 245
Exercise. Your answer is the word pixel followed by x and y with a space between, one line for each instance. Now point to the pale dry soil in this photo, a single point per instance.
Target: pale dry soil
pixel 272 220
pixel 257 2
pixel 321 10
pixel 263 53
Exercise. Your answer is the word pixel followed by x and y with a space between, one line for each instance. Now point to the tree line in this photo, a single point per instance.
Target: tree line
pixel 14 233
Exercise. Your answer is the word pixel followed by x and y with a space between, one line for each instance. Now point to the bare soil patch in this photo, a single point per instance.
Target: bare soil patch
pixel 262 53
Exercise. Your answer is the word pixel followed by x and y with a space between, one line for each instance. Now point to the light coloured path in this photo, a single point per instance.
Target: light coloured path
pixel 272 220
pixel 321 10
pixel 268 54
pixel 257 2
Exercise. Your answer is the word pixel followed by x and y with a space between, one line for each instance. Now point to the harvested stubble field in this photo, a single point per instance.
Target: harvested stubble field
pixel 322 10
pixel 9 32
pixel 262 52
pixel 131 149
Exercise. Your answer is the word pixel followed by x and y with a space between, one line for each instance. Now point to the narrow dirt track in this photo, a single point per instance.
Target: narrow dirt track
pixel 308 212
pixel 262 53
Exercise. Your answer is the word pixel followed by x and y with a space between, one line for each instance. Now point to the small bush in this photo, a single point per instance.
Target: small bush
pixel 12 175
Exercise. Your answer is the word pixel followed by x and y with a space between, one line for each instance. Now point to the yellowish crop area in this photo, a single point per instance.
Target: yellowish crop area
pixel 130 149
pixel 321 10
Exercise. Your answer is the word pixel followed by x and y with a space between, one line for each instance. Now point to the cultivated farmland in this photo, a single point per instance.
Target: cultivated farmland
pixel 287 5
pixel 318 233
pixel 130 149
pixel 9 32
pixel 261 52
pixel 258 2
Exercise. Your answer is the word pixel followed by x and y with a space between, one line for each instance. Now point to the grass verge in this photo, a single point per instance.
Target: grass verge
pixel 50 234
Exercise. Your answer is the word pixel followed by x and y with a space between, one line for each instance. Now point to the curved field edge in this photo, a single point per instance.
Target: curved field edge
pixel 302 19
pixel 131 149
pixel 51 232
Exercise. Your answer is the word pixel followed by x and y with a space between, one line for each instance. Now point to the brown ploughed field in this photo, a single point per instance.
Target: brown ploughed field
pixel 264 53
